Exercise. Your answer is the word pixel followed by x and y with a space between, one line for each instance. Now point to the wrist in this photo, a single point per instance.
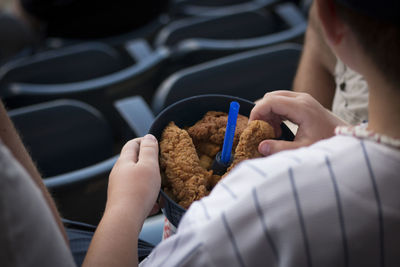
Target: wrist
pixel 127 209
pixel 124 217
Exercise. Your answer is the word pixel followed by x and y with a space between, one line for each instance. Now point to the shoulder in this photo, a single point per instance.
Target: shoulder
pixel 30 232
pixel 278 208
pixel 291 197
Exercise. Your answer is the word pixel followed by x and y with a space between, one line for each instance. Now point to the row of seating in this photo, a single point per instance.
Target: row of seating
pixel 184 8
pixel 96 67
pixel 75 145
pixel 75 106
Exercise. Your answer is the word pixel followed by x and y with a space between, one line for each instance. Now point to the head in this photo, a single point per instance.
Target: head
pixel 364 34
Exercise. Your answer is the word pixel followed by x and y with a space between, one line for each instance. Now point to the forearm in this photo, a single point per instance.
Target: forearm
pixel 11 139
pixel 315 74
pixel 115 242
pixel 133 188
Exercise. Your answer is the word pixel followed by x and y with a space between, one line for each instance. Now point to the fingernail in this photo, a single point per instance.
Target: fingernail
pixel 150 137
pixel 265 149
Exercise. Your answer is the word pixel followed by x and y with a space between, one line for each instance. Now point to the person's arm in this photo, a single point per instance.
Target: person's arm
pixel 314 121
pixel 315 73
pixel 132 192
pixel 11 139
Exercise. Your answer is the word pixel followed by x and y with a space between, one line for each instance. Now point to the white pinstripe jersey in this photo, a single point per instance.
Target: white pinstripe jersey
pixel 335 203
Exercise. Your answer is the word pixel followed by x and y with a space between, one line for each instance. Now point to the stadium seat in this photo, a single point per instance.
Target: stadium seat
pixel 216 8
pixel 97 76
pixel 198 39
pixel 73 147
pixel 249 75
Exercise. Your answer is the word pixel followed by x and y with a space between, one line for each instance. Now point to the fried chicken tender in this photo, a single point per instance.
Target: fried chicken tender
pixel 206 161
pixel 186 156
pixel 209 132
pixel 185 179
pixel 247 148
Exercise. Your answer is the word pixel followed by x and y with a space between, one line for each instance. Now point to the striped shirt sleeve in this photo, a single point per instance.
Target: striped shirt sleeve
pixel 326 205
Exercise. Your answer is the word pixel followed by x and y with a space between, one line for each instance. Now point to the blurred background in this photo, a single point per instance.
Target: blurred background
pixel 79 80
pixel 5 4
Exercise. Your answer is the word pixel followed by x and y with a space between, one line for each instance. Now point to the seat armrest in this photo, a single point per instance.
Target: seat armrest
pixel 291 14
pixel 136 113
pixel 139 49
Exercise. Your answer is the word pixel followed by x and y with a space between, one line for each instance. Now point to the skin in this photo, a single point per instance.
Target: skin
pixel 132 193
pixel 314 121
pixel 383 107
pixel 315 73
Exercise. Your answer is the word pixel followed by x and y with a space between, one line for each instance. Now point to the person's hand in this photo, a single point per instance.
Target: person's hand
pixel 314 121
pixel 135 178
pixel 133 188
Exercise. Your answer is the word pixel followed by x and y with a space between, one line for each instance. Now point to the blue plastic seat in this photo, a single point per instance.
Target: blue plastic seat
pixel 70 64
pixel 248 75
pixel 23 83
pixel 146 32
pixel 73 147
pixel 64 135
pixel 93 75
pixel 216 8
pixel 15 37
pixel 198 39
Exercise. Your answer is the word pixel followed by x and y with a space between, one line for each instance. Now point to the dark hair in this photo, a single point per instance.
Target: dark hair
pixel 379 39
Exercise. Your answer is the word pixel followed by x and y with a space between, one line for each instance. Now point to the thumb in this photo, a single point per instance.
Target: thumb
pixel 148 148
pixel 269 147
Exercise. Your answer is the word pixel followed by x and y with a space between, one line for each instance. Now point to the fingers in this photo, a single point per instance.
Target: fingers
pixel 130 150
pixel 284 93
pixel 140 149
pixel 278 106
pixel 269 147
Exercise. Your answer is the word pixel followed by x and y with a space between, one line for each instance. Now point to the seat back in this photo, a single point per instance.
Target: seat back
pixel 217 8
pixel 63 135
pixel 72 145
pixel 81 194
pixel 139 78
pixel 146 31
pixel 15 38
pixel 248 75
pixel 198 39
pixel 237 26
pixel 211 3
pixel 68 64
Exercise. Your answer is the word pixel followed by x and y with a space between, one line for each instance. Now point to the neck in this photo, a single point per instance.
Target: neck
pixel 383 107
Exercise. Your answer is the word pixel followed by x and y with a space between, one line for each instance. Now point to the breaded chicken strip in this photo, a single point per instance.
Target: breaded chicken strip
pixel 183 175
pixel 209 132
pixel 247 148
